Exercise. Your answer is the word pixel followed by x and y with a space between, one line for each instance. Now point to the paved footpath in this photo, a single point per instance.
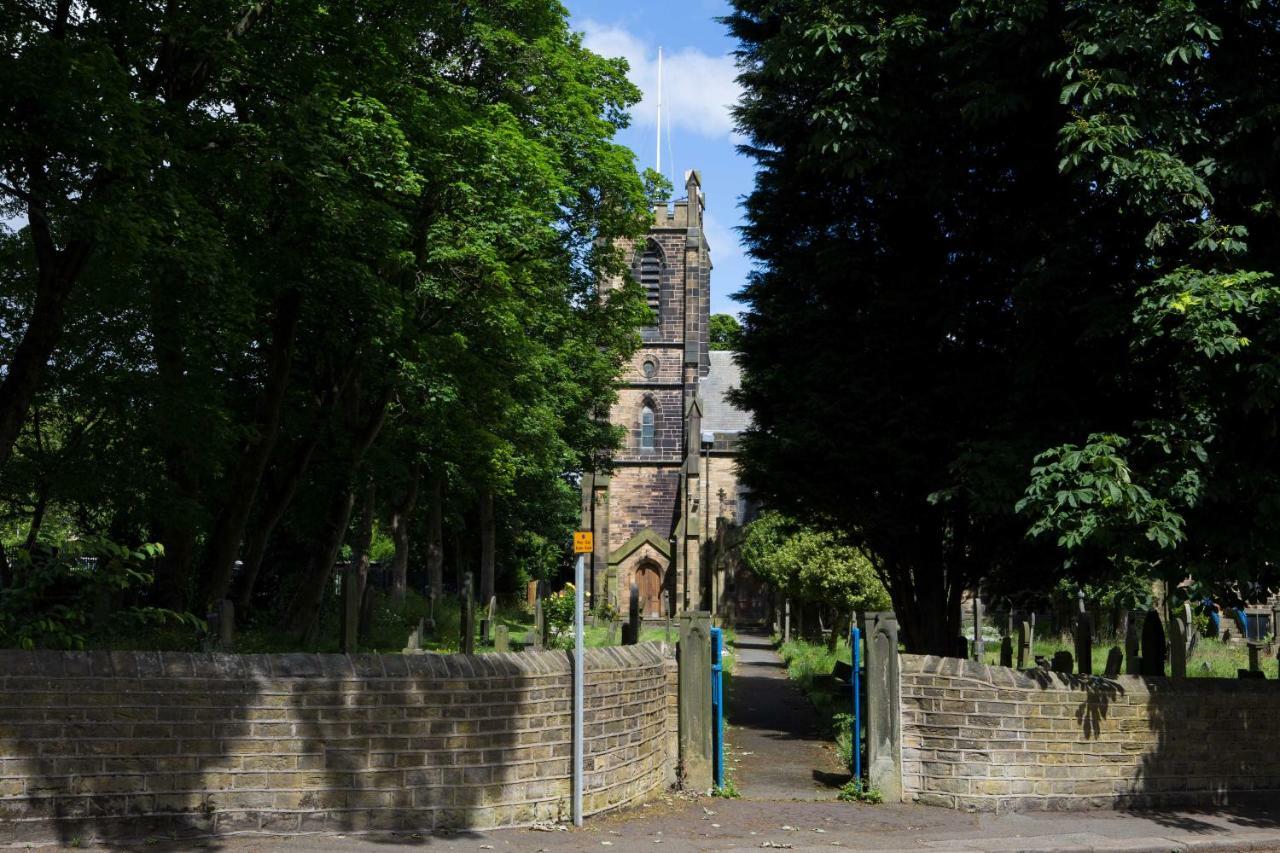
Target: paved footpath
pixel 787 774
pixel 779 747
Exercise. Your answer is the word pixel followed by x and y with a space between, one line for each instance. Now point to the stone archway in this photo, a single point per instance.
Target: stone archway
pixel 649 584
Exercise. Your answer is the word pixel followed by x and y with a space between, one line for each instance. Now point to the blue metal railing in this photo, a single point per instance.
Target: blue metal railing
pixel 717 708
pixel 855 647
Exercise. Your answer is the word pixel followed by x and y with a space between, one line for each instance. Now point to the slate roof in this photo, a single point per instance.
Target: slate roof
pixel 718 414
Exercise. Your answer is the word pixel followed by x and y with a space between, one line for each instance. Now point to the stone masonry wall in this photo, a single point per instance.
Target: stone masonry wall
pixel 987 738
pixel 107 745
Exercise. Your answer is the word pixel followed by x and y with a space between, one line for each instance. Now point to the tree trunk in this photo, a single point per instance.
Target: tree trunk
pixel 244 480
pixel 303 615
pixel 306 604
pixel 488 547
pixel 458 568
pixel 37 516
pixel 58 272
pixel 360 554
pixel 400 519
pixel 435 538
pixel 928 611
pixel 176 528
pixel 283 490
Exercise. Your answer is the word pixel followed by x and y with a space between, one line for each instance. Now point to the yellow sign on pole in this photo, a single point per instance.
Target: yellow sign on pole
pixel 582 542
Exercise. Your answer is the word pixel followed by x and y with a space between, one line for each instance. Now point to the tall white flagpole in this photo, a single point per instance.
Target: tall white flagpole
pixel 658 156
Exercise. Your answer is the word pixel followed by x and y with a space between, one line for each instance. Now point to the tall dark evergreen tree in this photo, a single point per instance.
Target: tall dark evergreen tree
pixel 936 297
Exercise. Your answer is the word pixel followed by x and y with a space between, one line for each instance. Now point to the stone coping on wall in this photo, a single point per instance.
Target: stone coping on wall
pixel 990 738
pixel 105 745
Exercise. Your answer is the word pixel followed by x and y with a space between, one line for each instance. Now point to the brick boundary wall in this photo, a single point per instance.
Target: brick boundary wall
pixel 110 745
pixel 988 738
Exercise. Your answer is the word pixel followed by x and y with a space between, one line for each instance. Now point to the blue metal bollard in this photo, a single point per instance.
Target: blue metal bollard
pixel 717 709
pixel 855 646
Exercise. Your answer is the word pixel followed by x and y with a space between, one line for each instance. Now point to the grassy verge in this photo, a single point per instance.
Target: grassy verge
pixel 809 665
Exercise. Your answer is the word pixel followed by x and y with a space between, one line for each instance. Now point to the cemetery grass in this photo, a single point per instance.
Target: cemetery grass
pixel 1210 659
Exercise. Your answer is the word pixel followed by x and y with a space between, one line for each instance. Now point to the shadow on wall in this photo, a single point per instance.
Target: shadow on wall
pixel 114 746
pixel 987 738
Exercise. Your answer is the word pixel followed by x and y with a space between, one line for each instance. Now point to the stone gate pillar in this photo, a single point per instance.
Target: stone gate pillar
pixel 884 704
pixel 695 700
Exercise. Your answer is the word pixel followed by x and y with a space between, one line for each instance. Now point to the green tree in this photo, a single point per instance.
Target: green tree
pixel 812 565
pixel 313 251
pixel 1012 227
pixel 724 331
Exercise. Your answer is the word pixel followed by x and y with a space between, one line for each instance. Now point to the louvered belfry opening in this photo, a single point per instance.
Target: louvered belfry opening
pixel 650 276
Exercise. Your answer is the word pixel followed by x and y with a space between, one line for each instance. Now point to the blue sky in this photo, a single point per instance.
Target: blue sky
pixel 698 89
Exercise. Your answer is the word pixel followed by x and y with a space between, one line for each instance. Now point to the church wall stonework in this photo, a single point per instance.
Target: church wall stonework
pixel 640 498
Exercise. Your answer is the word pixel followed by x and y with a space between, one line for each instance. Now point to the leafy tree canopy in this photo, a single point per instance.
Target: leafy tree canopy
pixel 1014 252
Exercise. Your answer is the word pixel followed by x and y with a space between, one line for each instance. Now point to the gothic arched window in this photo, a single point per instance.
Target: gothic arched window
pixel 646 427
pixel 649 274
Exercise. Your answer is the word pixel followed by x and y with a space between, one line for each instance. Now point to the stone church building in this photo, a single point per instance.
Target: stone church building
pixel 667 515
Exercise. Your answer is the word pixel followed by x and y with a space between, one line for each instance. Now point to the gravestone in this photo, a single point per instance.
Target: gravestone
pixel 1006 651
pixel 486 621
pixel 222 626
pixel 962 646
pixel 429 624
pixel 1154 647
pixel 1132 663
pixel 501 638
pixel 979 645
pixel 467 623
pixel 1115 661
pixel 1062 662
pixel 1178 649
pixel 1084 641
pixel 1254 662
pixel 1024 644
pixel 539 623
pixel 1249 673
pixel 633 626
pixel 350 607
pixel 414 644
pixel 613 632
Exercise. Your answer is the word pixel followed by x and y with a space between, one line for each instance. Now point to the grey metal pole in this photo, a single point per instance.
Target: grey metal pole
pixel 577 690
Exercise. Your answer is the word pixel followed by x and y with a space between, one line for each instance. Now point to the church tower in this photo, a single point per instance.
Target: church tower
pixel 646 514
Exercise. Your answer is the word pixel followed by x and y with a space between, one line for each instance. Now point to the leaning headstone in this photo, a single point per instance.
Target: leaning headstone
pixel 1178 649
pixel 467 624
pixel 1062 662
pixel 1132 663
pixel 501 638
pixel 1154 647
pixel 1115 661
pixel 1084 641
pixel 613 632
pixel 1024 644
pixel 1006 651
pixel 633 627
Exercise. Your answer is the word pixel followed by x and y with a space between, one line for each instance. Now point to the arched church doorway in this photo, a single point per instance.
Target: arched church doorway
pixel 649 584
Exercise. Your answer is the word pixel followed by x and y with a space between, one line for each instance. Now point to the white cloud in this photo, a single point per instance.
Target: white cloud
pixel 697 89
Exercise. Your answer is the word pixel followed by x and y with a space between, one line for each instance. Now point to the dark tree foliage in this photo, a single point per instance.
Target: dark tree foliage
pixel 949 281
pixel 255 256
